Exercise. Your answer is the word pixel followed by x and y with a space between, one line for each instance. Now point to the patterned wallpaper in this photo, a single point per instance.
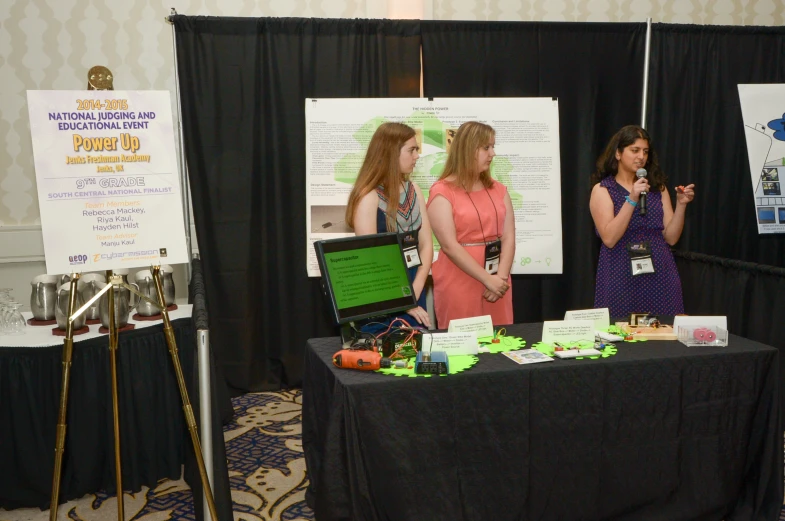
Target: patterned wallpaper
pixel 51 44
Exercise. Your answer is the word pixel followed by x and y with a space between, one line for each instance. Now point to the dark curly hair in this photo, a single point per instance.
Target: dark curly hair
pixel 607 164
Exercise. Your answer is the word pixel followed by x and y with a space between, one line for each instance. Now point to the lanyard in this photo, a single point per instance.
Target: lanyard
pixel 480 218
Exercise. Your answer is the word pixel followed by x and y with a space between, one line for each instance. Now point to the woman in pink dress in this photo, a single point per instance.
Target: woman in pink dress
pixel 472 218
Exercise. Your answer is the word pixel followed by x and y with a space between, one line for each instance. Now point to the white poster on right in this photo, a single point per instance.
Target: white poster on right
pixel 763 112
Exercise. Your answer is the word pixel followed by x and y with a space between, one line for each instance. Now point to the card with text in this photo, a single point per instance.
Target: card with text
pixel 481 326
pixel 450 343
pixel 600 316
pixel 568 331
pixel 527 356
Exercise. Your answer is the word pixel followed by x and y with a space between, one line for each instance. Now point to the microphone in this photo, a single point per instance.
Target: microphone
pixel 641 173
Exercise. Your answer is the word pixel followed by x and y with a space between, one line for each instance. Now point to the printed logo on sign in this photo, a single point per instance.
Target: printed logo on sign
pixel 162 252
pixel 77 259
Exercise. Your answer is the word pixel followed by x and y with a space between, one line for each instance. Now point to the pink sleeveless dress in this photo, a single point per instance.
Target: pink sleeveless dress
pixel 456 294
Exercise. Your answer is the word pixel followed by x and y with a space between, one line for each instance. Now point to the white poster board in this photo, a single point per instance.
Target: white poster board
pixel 108 186
pixel 763 112
pixel 527 162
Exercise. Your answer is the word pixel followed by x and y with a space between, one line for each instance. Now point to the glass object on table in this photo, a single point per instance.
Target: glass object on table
pixel 11 320
pixel 16 322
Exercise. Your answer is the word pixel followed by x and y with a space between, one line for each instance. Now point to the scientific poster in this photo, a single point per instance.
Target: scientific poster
pixel 527 162
pixel 108 186
pixel 763 112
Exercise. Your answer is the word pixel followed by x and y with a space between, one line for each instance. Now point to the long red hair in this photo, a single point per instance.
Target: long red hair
pixel 381 167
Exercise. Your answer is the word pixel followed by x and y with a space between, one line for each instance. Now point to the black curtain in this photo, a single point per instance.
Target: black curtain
pixel 243 87
pixel 695 120
pixel 596 72
pixel 694 117
pixel 751 295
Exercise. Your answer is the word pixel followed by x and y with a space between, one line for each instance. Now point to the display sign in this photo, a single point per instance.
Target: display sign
pixel 763 112
pixel 481 326
pixel 568 331
pixel 600 316
pixel 108 187
pixel 450 343
pixel 527 162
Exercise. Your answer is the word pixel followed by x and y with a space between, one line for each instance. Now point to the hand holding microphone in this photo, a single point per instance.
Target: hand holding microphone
pixel 641 174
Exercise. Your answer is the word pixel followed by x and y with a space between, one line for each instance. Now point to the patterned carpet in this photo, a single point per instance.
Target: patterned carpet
pixel 266 470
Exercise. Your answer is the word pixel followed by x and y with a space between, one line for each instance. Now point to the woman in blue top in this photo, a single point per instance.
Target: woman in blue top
pixel 384 177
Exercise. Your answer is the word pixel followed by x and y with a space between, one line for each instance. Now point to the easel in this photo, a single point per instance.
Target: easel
pixel 68 344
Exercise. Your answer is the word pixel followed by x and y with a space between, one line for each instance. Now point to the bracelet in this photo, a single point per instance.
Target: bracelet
pixel 633 203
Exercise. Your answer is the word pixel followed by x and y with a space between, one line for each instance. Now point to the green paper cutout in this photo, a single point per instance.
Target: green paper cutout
pixel 458 363
pixel 508 343
pixel 616 330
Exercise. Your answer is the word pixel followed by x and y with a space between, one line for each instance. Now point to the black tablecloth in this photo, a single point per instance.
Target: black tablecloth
pixel 659 432
pixel 153 435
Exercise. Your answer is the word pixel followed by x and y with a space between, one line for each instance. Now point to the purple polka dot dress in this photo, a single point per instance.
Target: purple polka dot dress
pixel 617 289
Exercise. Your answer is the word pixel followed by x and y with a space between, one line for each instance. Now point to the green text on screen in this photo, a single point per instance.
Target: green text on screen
pixel 367 275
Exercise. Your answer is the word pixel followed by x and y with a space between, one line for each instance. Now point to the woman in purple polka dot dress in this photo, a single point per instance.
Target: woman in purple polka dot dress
pixel 614 205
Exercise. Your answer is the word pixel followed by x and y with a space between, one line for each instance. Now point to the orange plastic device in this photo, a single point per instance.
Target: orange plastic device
pixel 359 359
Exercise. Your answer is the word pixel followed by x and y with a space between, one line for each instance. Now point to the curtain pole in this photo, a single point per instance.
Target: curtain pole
pixel 646 72
pixel 185 192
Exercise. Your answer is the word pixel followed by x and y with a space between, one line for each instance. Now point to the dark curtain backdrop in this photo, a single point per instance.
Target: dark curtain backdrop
pixel 596 72
pixel 243 86
pixel 751 295
pixel 694 117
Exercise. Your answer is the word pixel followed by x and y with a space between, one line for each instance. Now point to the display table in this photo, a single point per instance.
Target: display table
pixel 153 436
pixel 658 431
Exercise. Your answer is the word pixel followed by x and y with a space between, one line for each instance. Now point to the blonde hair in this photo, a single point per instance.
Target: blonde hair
pixel 381 167
pixel 462 160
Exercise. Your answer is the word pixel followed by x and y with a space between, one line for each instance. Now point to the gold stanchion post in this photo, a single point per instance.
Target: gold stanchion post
pixel 113 341
pixel 187 409
pixel 116 280
pixel 68 350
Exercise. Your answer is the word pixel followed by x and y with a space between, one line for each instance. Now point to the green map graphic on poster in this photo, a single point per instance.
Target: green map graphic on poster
pixel 430 131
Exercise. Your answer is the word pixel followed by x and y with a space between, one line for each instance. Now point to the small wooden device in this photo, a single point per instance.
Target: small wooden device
pixel 661 332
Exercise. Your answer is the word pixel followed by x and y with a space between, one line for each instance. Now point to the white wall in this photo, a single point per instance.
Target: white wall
pixel 51 44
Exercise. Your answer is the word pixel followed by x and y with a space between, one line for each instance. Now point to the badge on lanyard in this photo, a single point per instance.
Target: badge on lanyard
pixel 640 258
pixel 410 252
pixel 493 252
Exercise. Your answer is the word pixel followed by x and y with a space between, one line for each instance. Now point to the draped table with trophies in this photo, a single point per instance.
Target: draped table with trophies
pixel 153 433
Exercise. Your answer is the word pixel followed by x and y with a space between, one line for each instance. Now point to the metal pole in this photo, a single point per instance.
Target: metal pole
pixel 113 343
pixel 646 72
pixel 185 191
pixel 187 408
pixel 205 417
pixel 62 422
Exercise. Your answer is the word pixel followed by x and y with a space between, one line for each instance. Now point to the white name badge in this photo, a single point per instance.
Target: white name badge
pixel 601 317
pixel 450 343
pixel 482 326
pixel 568 331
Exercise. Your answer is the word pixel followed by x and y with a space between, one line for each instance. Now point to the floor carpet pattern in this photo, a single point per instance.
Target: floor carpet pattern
pixel 266 472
